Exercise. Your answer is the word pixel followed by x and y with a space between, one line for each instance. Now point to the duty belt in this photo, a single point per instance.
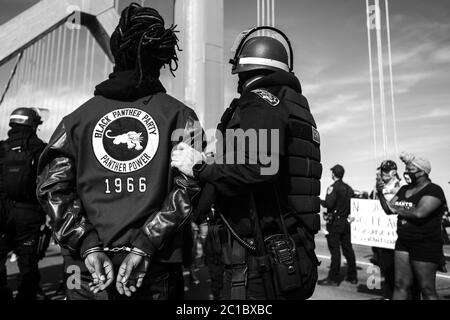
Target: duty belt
pixel 239 272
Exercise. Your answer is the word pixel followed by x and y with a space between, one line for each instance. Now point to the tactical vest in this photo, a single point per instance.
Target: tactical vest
pixel 303 167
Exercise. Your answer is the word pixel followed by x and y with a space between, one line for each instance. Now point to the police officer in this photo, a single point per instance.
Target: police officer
pixel 281 193
pixel 22 215
pixel 106 182
pixel 337 202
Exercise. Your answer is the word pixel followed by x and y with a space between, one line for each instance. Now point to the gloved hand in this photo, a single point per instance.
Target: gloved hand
pixel 131 273
pixel 185 157
pixel 101 269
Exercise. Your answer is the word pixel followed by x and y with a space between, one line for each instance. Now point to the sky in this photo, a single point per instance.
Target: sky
pixel 331 59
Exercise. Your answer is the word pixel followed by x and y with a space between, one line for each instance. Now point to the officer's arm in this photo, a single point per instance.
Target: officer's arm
pixel 177 208
pixel 261 158
pixel 56 191
pixel 330 199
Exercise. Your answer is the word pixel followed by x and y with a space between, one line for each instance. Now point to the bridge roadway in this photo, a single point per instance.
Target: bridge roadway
pixel 51 272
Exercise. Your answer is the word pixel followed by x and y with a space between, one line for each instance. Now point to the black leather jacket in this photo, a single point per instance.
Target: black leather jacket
pixel 154 226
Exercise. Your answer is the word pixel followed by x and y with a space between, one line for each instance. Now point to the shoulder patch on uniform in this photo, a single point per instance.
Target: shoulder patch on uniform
pixel 330 190
pixel 266 95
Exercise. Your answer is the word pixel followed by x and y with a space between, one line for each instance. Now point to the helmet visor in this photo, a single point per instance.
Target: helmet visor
pixel 44 113
pixel 238 41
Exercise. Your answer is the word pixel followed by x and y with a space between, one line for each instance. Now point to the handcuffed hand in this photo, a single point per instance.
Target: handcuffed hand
pixel 101 269
pixel 131 273
pixel 184 157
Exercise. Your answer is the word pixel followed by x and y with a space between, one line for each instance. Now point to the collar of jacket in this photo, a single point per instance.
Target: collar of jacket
pixel 278 78
pixel 123 86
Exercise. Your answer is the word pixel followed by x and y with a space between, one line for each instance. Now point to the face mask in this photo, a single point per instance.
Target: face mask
pixel 410 178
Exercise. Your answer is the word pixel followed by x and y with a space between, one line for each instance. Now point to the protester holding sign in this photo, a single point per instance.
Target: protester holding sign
pixel 387 173
pixel 418 250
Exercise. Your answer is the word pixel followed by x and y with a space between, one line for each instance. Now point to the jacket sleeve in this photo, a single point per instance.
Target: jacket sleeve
pixel 56 192
pixel 240 177
pixel 178 206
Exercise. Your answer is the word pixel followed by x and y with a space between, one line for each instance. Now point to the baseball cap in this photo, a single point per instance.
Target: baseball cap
pixel 387 166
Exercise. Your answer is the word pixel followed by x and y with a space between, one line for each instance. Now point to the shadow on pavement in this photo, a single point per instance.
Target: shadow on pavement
pixel 50 284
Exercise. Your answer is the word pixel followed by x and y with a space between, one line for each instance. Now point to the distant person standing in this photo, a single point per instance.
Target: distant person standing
pixel 337 203
pixel 418 249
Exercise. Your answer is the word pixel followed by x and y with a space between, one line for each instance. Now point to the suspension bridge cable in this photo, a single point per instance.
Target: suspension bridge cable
pixel 372 95
pixel 105 67
pixel 11 76
pixel 70 61
pixel 37 61
pixel 58 58
pixel 52 66
pixel 46 62
pixel 46 72
pixel 258 10
pixel 263 15
pixel 19 78
pixel 381 77
pixel 63 54
pixel 75 62
pixel 86 59
pixel 273 13
pixel 32 67
pixel 41 64
pixel 394 120
pixel 27 64
pixel 91 67
pixel 26 75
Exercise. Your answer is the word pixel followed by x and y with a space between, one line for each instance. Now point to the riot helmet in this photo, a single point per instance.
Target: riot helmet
pixel 25 116
pixel 262 48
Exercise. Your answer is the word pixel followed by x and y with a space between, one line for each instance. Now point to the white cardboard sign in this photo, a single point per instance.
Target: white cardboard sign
pixel 371 226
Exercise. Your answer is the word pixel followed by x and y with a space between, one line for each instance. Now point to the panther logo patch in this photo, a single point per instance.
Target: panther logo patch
pixel 125 140
pixel 132 139
pixel 266 95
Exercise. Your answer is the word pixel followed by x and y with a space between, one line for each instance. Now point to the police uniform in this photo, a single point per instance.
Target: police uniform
pixel 337 202
pixel 21 220
pixel 271 102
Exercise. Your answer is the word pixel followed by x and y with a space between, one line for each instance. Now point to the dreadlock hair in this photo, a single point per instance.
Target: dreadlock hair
pixel 141 42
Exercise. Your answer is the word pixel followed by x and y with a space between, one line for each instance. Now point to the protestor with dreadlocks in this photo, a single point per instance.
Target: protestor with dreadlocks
pixel 105 178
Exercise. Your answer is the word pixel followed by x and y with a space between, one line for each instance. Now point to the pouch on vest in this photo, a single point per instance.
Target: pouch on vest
pixel 19 173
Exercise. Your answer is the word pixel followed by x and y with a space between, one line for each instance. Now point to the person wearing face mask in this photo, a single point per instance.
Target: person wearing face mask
pixel 418 250
pixel 382 257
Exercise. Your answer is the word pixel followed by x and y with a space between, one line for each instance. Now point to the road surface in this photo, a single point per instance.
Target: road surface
pixel 51 273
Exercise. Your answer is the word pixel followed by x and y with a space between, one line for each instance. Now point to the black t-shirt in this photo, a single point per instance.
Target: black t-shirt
pixel 428 228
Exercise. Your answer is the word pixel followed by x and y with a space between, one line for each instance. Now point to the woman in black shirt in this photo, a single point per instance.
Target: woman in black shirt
pixel 418 250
